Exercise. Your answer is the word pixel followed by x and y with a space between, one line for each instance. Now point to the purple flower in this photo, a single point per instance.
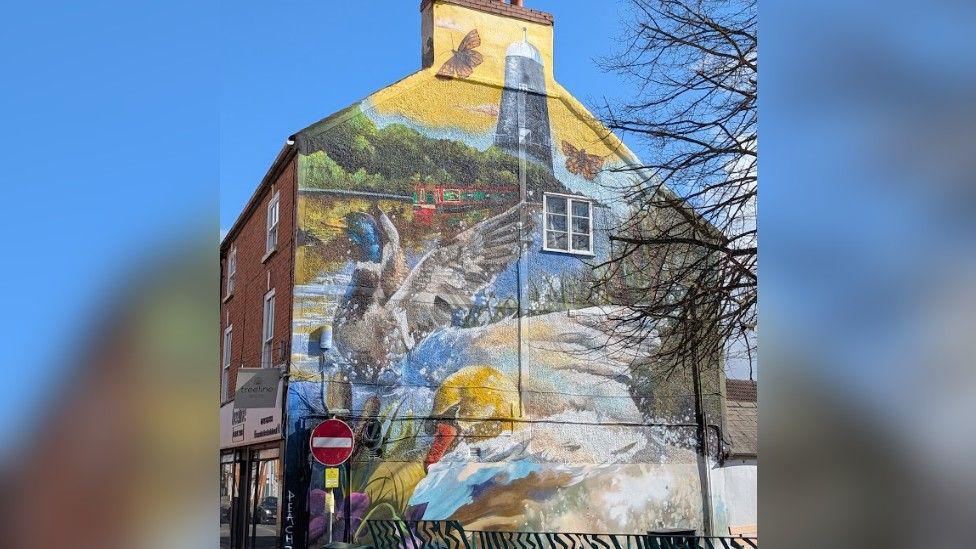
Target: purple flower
pixel 316 503
pixel 318 522
pixel 416 512
pixel 316 528
pixel 358 506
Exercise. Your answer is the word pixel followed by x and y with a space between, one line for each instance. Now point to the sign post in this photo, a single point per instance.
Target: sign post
pixel 331 444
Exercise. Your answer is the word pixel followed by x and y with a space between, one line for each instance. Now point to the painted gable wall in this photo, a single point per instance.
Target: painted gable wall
pixel 483 366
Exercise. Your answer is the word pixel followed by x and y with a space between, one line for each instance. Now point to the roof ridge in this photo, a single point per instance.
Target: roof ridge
pixel 746 390
pixel 499 7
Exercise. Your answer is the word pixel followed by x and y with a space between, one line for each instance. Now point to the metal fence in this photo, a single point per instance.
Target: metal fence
pixel 449 534
pixel 417 534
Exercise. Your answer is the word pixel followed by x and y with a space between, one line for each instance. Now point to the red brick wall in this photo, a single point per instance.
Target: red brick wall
pixel 499 7
pixel 244 309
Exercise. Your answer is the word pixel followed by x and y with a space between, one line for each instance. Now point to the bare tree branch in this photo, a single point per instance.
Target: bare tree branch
pixel 683 267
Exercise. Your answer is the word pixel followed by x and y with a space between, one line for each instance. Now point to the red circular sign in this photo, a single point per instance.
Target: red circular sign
pixel 331 442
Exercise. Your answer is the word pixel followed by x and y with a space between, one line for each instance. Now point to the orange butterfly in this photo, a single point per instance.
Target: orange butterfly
pixel 580 162
pixel 465 59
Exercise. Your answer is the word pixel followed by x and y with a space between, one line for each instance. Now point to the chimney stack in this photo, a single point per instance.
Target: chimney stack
pixel 509 8
pixel 442 39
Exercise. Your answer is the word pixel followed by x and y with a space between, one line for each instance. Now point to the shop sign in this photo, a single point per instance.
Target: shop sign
pixel 257 388
pixel 239 427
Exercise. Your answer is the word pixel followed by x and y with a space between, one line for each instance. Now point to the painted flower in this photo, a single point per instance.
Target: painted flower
pixel 316 509
pixel 358 506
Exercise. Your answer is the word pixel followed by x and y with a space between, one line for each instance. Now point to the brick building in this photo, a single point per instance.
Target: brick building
pixel 257 259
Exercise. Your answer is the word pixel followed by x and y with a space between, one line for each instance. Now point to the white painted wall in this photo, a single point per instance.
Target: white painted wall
pixel 734 494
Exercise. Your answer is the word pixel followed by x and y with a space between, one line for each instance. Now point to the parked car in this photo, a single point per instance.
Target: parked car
pixel 267 512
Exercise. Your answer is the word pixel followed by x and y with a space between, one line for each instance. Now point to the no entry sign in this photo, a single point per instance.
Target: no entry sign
pixel 331 442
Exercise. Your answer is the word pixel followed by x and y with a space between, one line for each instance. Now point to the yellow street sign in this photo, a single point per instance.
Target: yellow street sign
pixel 331 477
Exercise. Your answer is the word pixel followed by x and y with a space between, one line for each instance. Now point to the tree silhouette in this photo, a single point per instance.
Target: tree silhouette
pixel 683 265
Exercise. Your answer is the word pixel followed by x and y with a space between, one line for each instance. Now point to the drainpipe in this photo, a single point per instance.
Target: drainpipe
pixel 701 421
pixel 702 435
pixel 523 133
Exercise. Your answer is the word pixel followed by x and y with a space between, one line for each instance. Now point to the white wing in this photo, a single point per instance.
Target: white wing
pixel 448 278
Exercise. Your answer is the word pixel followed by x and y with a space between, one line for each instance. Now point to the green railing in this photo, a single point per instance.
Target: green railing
pixel 449 534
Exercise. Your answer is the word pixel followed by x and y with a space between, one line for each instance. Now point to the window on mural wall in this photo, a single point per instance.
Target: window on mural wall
pixel 268 330
pixel 225 365
pixel 273 223
pixel 567 224
pixel 231 270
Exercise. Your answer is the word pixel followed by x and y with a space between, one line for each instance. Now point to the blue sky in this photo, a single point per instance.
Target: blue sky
pixel 126 122
pixel 284 68
pixel 109 111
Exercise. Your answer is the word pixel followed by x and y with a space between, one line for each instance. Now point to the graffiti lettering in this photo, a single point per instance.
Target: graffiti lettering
pixel 290 521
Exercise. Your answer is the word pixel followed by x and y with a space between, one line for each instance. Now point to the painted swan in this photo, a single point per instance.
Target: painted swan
pixel 386 310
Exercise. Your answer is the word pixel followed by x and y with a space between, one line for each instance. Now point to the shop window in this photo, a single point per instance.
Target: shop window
pixel 264 504
pixel 230 473
pixel 250 499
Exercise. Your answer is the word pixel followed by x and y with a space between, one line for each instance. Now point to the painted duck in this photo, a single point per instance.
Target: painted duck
pixel 387 309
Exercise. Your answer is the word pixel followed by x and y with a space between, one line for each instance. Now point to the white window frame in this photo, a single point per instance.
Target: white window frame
pixel 570 199
pixel 231 272
pixel 267 330
pixel 271 234
pixel 225 366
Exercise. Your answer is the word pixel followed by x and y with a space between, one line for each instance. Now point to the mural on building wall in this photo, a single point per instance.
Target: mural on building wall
pixel 465 58
pixel 425 304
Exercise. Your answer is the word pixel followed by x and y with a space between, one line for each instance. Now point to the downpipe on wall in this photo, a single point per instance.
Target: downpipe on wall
pixel 702 435
pixel 523 133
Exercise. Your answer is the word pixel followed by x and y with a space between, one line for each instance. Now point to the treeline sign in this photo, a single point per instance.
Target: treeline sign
pixel 257 388
pixel 257 421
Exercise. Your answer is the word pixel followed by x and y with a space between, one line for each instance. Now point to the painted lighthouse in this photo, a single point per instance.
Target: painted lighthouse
pixel 523 121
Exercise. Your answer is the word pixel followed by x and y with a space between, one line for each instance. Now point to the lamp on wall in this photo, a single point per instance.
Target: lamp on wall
pixel 320 341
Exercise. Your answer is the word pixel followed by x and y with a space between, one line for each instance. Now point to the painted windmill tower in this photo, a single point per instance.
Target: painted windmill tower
pixel 431 256
pixel 523 121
